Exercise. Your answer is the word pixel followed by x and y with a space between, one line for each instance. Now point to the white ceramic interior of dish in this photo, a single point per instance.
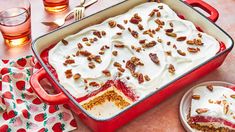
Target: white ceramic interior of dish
pixel 186 102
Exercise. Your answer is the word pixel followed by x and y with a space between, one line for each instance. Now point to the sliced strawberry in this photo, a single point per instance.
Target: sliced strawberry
pixel 53 108
pixel 6 78
pixel 58 127
pixel 22 62
pixel 4 70
pixel 5 61
pixel 8 95
pixel 40 117
pixel 43 130
pixel 5 116
pixel 66 106
pixel 37 101
pixel 30 90
pixel 20 85
pixel 73 123
pixel 21 130
pixel 4 128
pixel 12 114
pixel 26 114
pixel 19 101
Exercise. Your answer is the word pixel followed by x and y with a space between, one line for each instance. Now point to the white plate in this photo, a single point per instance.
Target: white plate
pixel 186 101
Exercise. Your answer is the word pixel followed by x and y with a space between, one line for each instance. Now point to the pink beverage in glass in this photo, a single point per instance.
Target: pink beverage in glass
pixel 15 22
pixel 56 5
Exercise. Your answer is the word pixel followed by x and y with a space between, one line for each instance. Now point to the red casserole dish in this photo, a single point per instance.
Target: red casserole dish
pixel 64 97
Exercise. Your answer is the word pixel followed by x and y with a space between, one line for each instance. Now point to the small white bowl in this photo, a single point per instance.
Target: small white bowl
pixel 186 102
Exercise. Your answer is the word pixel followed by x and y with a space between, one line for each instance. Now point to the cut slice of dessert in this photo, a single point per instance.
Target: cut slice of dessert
pixel 212 109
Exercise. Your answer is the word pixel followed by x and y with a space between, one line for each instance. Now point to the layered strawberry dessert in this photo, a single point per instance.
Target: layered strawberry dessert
pixel 212 109
pixel 145 48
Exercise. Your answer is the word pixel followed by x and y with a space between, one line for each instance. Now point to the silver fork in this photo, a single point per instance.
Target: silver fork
pixel 79 13
pixel 60 21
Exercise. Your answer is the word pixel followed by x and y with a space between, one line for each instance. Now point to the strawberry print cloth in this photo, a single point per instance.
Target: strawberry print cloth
pixel 20 108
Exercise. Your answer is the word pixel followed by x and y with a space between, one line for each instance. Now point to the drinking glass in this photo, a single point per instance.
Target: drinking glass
pixel 55 5
pixel 15 22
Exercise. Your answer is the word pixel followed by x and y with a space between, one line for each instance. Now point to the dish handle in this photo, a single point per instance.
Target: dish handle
pixel 214 14
pixel 57 99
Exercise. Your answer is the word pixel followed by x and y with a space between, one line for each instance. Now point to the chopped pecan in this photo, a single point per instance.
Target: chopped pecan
pixel 119 33
pixel 154 58
pixel 137 17
pixel 91 65
pixel 168 43
pixel 171 34
pixel 140 26
pixel 160 7
pixel 129 29
pixel 134 20
pixel 159 22
pixel 169 30
pixel 152 13
pixel 103 33
pixel 142 41
pixel 116 64
pixel 168 53
pixel 112 24
pixel 94 84
pixel 84 53
pixel 79 45
pixel 95 39
pixel 76 76
pixel 119 45
pixel 201 110
pixel 130 66
pixel 97 59
pixel 158 29
pixel 199 35
pixel 210 87
pixel 182 38
pixel 171 69
pixel 140 78
pixel 150 44
pixel 101 52
pixel 232 96
pixel 134 34
pixel 69 61
pixel 174 46
pixel 180 52
pixel 64 42
pixel 88 44
pixel 226 108
pixel 90 57
pixel 198 42
pixel 171 24
pixel 146 77
pixel 120 26
pixel 125 21
pixel 106 73
pixel 196 97
pixel 159 40
pixel 121 69
pixel 158 14
pixel 84 39
pixel 91 40
pixel 97 33
pixel 115 53
pixel 190 42
pixel 68 73
pixel 192 50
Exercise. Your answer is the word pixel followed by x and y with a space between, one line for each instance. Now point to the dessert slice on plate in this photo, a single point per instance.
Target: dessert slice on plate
pixel 212 108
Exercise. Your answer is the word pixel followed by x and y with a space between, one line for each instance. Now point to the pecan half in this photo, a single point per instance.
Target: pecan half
pixel 201 110
pixel 140 26
pixel 112 24
pixel 154 58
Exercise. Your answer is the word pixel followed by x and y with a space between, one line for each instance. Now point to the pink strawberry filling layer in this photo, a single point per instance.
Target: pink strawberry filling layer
pixel 205 119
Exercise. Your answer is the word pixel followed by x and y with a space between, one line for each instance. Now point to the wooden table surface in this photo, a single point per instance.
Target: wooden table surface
pixel 164 117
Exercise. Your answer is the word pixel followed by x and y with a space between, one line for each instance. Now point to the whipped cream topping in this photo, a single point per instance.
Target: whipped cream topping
pixel 218 103
pixel 173 55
